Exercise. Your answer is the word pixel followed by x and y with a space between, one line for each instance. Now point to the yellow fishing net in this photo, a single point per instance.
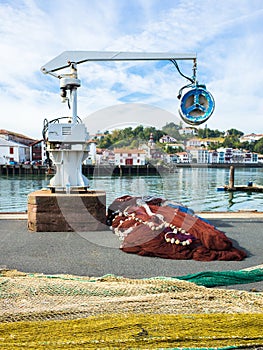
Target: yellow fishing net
pixel 137 331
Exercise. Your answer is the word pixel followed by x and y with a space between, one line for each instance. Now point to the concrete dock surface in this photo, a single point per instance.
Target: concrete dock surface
pixel 97 253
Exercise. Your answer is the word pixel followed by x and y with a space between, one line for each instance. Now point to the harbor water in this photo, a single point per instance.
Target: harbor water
pixel 193 187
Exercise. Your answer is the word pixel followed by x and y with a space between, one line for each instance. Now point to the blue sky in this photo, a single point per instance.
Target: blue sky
pixel 226 35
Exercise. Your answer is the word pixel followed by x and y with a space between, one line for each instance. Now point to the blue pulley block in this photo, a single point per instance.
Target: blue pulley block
pixel 196 106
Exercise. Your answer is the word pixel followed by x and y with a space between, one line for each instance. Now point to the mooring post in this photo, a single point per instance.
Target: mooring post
pixel 232 177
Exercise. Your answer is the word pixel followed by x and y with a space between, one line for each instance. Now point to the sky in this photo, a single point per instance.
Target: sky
pixel 225 35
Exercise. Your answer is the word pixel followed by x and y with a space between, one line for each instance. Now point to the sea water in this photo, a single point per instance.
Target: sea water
pixel 193 187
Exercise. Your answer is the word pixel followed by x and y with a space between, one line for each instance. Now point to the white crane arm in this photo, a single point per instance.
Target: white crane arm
pixel 67 57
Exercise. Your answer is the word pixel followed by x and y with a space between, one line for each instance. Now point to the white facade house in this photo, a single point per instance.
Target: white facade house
pixel 225 155
pixel 167 139
pixel 212 157
pixel 194 142
pixel 13 152
pixel 129 157
pixel 199 155
pixel 188 131
pixel 237 156
pixel 184 157
pixel 250 137
pixel 230 155
pixel 250 157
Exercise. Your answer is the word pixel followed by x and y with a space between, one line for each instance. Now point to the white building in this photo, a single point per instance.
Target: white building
pixel 237 156
pixel 212 157
pixel 184 157
pixel 230 155
pixel 167 139
pixel 199 155
pixel 13 152
pixel 129 157
pixel 188 131
pixel 250 157
pixel 194 143
pixel 250 137
pixel 225 155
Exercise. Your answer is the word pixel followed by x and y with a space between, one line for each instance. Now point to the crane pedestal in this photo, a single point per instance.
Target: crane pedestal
pixel 61 212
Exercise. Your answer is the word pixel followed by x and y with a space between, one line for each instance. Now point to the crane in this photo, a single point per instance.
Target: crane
pixel 67 142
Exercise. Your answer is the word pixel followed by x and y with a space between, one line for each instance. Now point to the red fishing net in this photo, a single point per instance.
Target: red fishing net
pixel 155 227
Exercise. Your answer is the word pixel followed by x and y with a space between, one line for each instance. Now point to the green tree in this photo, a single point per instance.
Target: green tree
pixel 232 141
pixel 172 129
pixel 258 148
pixel 235 133
pixel 206 133
pixel 105 142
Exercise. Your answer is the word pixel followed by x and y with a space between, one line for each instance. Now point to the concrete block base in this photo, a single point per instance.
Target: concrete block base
pixel 60 212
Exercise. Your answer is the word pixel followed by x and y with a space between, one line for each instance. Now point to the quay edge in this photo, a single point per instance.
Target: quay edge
pixel 112 170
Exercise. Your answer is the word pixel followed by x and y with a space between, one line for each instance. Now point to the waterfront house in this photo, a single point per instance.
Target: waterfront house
pixel 212 157
pixel 184 157
pixel 199 155
pixel 38 151
pixel 250 157
pixel 15 137
pixel 125 156
pixel 13 152
pixel 225 155
pixel 173 158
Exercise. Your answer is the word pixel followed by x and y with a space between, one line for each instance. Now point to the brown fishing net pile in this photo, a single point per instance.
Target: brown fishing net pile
pixel 154 228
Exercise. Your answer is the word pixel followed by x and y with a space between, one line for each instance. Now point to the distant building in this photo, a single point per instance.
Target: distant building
pixel 230 155
pixel 188 131
pixel 175 145
pixel 15 137
pixel 250 137
pixel 167 139
pixel 38 151
pixel 99 156
pixel 125 156
pixel 194 142
pixel 154 152
pixel 199 155
pixel 237 156
pixel 184 157
pixel 250 157
pixel 212 157
pixel 174 158
pixel 13 152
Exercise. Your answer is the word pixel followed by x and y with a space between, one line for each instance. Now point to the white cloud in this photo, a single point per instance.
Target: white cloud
pixel 226 36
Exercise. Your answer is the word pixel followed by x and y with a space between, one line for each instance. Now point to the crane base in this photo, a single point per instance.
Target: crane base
pixel 60 212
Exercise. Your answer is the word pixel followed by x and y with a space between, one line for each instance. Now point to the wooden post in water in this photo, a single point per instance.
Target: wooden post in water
pixel 232 177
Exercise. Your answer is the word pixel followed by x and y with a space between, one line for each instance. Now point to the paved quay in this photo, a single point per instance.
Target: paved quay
pixel 97 253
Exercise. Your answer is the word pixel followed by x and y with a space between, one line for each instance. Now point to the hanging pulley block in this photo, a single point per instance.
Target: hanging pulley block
pixel 196 105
